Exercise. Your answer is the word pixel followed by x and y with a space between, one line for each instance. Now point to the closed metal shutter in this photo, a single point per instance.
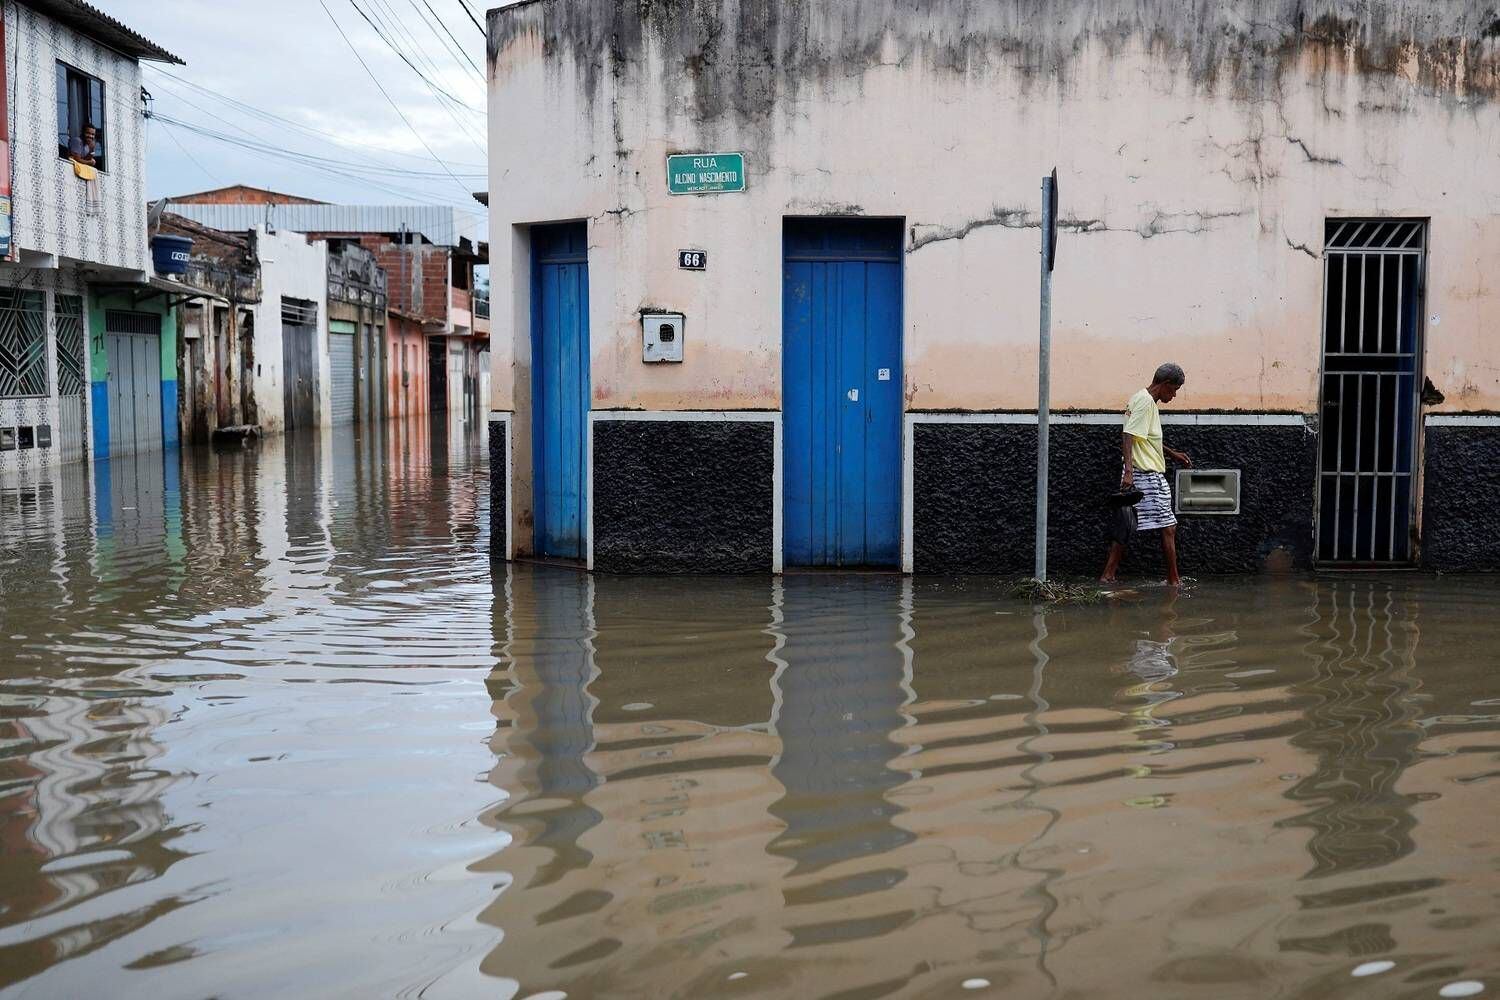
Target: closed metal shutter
pixel 341 370
pixel 132 345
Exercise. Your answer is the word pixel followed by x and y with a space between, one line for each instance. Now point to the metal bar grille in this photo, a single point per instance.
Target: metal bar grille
pixel 124 321
pixel 67 322
pixel 299 312
pixel 1372 291
pixel 23 343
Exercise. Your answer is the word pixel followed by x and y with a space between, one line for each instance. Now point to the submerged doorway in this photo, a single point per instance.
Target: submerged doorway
pixel 559 388
pixel 1373 276
pixel 841 391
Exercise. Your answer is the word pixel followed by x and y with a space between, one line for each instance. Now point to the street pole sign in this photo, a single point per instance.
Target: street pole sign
pixel 1044 368
pixel 705 173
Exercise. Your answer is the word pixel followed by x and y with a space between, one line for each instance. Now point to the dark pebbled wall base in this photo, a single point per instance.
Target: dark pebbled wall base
pixel 974 499
pixel 683 496
pixel 1459 500
pixel 499 516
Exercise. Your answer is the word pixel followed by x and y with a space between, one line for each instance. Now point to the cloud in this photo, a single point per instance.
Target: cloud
pixel 286 57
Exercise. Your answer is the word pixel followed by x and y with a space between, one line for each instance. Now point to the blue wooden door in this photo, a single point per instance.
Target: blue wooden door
pixel 841 392
pixel 560 387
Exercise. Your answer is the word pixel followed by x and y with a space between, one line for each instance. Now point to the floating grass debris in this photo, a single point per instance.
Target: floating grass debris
pixel 1056 592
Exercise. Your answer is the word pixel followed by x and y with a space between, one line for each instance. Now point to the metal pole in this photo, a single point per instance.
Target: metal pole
pixel 1044 386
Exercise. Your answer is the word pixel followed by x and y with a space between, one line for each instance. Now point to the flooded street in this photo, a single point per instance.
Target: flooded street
pixel 275 726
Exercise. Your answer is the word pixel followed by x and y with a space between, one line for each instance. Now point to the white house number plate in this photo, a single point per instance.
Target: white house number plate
pixel 883 374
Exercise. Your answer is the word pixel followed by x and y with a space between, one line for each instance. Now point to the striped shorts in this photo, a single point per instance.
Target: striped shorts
pixel 1155 509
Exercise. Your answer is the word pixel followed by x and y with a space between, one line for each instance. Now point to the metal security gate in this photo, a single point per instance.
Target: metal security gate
pixel 841 391
pixel 132 349
pixel 341 370
pixel 1373 278
pixel 67 322
pixel 299 362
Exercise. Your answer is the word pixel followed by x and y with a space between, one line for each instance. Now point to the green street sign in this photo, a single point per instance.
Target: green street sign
pixel 705 173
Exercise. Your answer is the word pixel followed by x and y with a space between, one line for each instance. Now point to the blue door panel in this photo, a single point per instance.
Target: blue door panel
pixel 850 395
pixel 842 422
pixel 797 411
pixel 883 415
pixel 560 388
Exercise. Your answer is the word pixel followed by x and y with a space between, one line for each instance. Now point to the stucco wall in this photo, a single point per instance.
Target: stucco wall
pixel 290 266
pixel 1199 149
pixel 51 213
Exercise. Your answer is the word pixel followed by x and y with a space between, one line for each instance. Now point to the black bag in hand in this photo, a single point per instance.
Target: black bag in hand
pixel 1120 516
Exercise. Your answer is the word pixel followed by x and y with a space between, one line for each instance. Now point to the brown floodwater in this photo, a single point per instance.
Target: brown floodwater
pixel 274 726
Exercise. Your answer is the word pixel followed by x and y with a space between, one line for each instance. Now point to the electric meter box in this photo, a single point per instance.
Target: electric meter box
pixel 661 336
pixel 1208 491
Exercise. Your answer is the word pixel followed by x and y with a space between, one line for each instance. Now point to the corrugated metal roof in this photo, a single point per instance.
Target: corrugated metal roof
pixel 440 224
pixel 89 20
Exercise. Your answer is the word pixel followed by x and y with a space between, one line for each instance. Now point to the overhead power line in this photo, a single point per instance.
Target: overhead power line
pixel 396 27
pixel 454 47
pixel 468 10
pixel 258 144
pixel 271 118
pixel 396 107
pixel 278 147
pixel 317 164
pixel 438 93
pixel 178 142
pixel 402 56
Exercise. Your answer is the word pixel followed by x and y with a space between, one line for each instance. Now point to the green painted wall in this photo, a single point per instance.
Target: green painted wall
pixel 99 302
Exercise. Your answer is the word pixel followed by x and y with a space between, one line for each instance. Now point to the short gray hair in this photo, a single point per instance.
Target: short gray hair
pixel 1169 374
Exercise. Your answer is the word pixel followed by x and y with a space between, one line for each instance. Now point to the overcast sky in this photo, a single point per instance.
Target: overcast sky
pixel 286 58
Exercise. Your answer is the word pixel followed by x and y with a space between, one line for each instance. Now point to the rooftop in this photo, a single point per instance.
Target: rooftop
pixel 441 225
pixel 86 19
pixel 244 194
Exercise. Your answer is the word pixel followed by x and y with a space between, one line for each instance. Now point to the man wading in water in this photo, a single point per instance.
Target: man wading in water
pixel 1146 469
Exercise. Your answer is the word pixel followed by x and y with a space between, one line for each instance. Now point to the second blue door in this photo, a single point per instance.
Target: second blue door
pixel 841 392
pixel 560 387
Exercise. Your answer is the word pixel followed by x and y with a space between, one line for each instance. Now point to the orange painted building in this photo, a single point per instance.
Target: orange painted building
pixel 406 365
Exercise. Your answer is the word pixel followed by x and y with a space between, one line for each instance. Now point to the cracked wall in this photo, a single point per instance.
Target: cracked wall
pixel 1198 147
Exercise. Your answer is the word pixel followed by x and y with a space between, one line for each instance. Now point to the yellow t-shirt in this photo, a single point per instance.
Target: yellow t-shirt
pixel 1143 424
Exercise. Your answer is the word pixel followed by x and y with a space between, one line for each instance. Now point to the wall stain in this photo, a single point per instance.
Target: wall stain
pixel 741 59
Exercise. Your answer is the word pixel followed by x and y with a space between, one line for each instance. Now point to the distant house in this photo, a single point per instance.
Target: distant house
pixel 435 351
pixel 84 354
pixel 244 194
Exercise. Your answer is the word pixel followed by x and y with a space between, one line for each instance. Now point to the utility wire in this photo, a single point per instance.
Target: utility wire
pixel 261 143
pixel 396 107
pixel 337 167
pixel 467 10
pixel 395 25
pixel 317 167
pixel 402 56
pixel 396 34
pixel 454 46
pixel 271 118
pixel 438 93
pixel 173 136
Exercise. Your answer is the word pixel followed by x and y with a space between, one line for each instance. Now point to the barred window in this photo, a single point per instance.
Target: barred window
pixel 67 322
pixel 23 343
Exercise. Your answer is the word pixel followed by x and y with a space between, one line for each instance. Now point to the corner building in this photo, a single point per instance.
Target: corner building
pixel 1293 200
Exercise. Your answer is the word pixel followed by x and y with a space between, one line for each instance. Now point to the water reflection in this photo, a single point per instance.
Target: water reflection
pixel 168 626
pixel 1361 729
pixel 273 722
pixel 839 693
